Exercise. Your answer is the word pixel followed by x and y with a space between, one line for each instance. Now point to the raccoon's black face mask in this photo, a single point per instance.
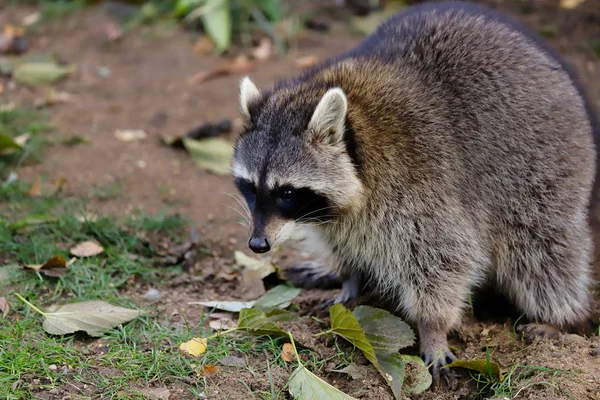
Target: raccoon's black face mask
pixel 291 163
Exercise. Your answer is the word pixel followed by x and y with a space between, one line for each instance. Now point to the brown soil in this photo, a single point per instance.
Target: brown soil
pixel 148 89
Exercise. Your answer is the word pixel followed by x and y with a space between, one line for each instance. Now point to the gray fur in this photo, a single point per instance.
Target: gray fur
pixel 471 160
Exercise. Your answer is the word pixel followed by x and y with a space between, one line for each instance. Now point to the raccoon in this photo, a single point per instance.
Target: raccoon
pixel 448 150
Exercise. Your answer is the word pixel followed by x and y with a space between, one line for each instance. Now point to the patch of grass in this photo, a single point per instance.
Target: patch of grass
pixel 57 10
pixel 23 121
pixel 519 378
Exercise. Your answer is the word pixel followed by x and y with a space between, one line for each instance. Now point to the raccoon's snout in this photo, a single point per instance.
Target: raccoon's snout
pixel 259 244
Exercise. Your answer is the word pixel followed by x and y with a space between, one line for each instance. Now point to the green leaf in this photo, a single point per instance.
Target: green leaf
pixel 355 371
pixel 40 73
pixel 279 296
pixel 7 143
pixel 92 316
pixel 393 370
pixel 271 8
pixel 386 332
pixel 211 154
pixel 183 7
pixel 417 377
pixel 279 315
pixel 345 324
pixel 304 385
pixel 486 367
pixel 257 323
pixel 217 23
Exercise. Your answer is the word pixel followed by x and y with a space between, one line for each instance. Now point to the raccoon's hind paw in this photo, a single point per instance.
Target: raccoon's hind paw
pixel 312 275
pixel 436 363
pixel 531 331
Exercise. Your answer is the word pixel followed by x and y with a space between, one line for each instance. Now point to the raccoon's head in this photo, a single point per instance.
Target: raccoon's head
pixel 291 163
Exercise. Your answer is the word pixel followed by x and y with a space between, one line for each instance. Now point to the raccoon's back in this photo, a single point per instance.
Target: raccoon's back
pixel 508 121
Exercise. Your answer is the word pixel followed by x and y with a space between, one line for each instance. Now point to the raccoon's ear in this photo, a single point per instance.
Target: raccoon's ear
pixel 327 122
pixel 248 93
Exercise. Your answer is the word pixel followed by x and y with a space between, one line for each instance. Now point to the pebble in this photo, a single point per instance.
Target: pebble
pixel 152 295
pixel 52 367
pixel 595 352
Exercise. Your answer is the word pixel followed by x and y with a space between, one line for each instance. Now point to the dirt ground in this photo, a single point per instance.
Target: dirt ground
pixel 148 88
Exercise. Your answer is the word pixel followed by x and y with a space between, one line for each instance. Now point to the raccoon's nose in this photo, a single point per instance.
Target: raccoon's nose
pixel 259 244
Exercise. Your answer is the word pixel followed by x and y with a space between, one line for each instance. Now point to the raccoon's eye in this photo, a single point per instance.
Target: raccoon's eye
pixel 286 193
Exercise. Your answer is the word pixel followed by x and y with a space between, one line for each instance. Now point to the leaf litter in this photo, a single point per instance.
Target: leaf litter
pixel 194 347
pixel 87 249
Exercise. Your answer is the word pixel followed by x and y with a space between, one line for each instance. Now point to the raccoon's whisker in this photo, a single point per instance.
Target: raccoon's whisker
pixel 241 202
pixel 241 214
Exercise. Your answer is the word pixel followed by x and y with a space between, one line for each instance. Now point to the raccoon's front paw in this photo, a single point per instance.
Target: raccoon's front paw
pixel 311 275
pixel 436 362
pixel 531 331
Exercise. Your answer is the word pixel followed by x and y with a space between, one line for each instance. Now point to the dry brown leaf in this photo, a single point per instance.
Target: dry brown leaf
pixel 288 354
pixel 55 267
pixel 4 307
pixel 238 65
pixel 113 31
pixel 159 393
pixel 570 4
pixel 87 249
pixel 36 189
pixel 204 45
pixel 22 140
pixel 130 135
pixel 264 50
pixel 209 370
pixel 222 324
pixel 306 61
pixel 195 347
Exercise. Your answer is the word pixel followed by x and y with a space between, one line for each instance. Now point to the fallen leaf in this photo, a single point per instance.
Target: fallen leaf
pixel 279 315
pixel 288 354
pixel 22 140
pixel 41 73
pixel 345 324
pixel 4 307
pixel 393 370
pixel 204 45
pixel 159 393
pixel 231 306
pixel 304 385
pixel 306 61
pixel 252 284
pixel 417 376
pixel 12 40
pixel 8 143
pixel 242 260
pixel 212 154
pixel 87 249
pixel 31 19
pixel 222 324
pixel 209 370
pixel 112 31
pixel 239 65
pixel 570 4
pixel 257 323
pixel 355 371
pixel 94 317
pixel 233 361
pixel 36 188
pixel 486 367
pixel 130 135
pixel 54 267
pixel 52 98
pixel 264 49
pixel 278 297
pixel 386 332
pixel 195 347
pixel 216 21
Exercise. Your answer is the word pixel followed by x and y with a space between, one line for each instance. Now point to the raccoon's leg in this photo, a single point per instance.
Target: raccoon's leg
pixel 548 276
pixel 312 275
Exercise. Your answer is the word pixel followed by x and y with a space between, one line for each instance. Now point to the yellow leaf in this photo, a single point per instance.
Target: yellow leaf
pixel 288 354
pixel 87 249
pixel 570 3
pixel 195 347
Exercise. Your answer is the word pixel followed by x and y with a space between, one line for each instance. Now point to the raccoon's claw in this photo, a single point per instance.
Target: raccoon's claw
pixel 531 331
pixel 436 362
pixel 312 275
